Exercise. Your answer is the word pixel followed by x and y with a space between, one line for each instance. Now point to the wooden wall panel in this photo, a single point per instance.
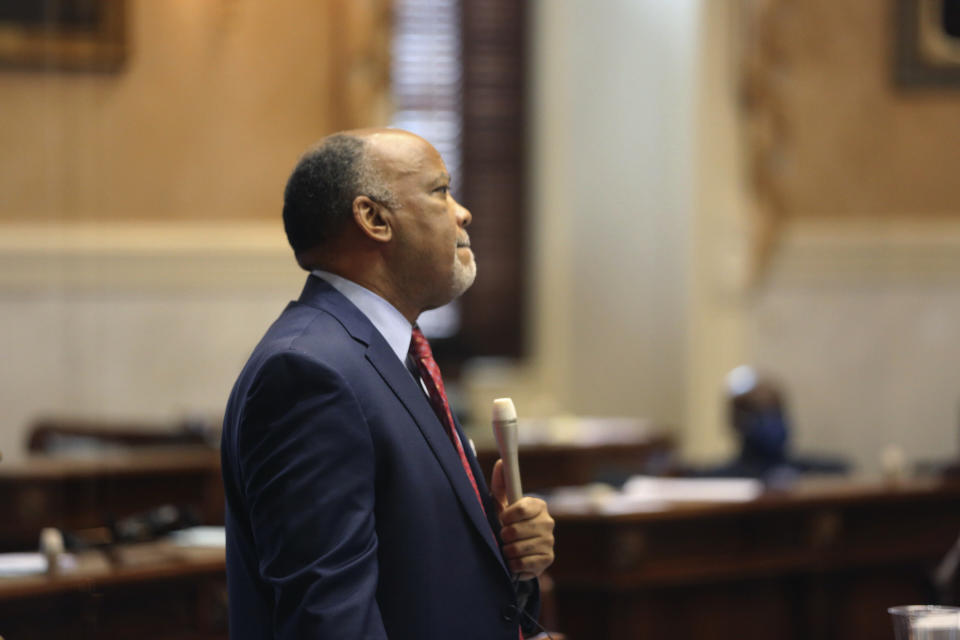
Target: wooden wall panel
pixel 831 132
pixel 204 121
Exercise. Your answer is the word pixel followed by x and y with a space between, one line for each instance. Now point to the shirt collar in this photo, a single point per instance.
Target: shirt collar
pixel 391 324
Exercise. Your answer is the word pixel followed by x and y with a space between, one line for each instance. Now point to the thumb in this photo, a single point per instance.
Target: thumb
pixel 498 486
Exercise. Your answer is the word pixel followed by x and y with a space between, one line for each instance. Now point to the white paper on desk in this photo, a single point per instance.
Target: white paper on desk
pixel 22 564
pixel 200 537
pixel 647 488
pixel 33 563
pixel 598 498
pixel 626 503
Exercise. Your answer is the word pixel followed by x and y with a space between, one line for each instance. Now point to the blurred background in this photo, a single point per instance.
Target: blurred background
pixel 662 190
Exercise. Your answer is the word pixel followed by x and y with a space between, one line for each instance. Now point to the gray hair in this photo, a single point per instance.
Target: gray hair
pixel 318 198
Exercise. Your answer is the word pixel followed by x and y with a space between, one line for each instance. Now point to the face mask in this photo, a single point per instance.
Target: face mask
pixel 765 433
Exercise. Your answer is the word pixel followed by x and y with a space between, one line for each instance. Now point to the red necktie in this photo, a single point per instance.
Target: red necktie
pixel 430 373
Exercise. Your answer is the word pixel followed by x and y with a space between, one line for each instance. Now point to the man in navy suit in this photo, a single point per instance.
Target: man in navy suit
pixel 354 510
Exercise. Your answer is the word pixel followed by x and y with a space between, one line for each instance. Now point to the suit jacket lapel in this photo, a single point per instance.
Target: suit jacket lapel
pixel 397 377
pixel 319 293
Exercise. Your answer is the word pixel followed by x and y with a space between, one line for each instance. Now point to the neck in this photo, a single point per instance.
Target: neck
pixel 377 282
pixel 356 258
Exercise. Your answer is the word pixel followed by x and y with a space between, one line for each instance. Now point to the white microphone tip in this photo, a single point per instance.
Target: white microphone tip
pixel 504 410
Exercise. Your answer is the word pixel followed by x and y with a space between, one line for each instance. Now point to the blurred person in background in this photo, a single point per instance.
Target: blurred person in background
pixel 760 421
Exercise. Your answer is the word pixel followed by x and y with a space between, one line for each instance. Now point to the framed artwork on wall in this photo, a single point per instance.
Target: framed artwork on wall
pixel 75 35
pixel 927 43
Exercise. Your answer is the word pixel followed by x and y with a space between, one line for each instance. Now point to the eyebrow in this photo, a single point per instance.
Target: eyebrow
pixel 442 178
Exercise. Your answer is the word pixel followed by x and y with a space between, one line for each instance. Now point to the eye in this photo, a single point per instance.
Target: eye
pixel 445 189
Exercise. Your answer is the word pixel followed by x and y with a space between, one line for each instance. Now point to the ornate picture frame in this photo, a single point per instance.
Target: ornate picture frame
pixel 927 50
pixel 74 35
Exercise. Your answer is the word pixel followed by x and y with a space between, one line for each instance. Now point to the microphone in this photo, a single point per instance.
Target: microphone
pixel 505 431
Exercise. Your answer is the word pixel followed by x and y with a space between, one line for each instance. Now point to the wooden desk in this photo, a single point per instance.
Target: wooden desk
pixel 545 466
pixel 821 562
pixel 76 493
pixel 160 592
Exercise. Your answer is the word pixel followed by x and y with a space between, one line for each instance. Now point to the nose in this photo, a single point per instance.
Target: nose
pixel 464 217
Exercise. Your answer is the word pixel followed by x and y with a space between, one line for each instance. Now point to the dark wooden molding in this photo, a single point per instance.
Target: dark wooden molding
pixel 494 36
pixel 916 38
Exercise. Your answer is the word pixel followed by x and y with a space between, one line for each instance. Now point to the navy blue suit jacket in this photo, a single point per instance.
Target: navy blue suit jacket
pixel 349 514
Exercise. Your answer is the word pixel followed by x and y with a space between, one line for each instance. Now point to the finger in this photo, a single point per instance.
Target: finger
pixel 538 537
pixel 498 487
pixel 529 530
pixel 526 508
pixel 530 566
pixel 527 511
pixel 532 547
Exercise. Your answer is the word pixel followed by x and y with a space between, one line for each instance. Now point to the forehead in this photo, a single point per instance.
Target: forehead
pixel 400 154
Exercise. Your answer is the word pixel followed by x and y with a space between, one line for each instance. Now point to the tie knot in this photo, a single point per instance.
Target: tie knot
pixel 419 347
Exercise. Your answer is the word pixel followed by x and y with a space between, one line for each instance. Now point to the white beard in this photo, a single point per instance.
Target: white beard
pixel 463 275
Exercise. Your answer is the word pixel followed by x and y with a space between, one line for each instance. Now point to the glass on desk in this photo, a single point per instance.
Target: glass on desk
pixel 925 622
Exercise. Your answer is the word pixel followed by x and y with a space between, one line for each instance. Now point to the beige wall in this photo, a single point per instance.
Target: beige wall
pixel 720 237
pixel 133 322
pixel 860 322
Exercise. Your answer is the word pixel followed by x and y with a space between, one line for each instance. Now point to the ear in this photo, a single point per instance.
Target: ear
pixel 373 219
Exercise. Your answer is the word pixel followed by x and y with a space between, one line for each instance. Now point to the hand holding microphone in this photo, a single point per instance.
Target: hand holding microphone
pixel 527 532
